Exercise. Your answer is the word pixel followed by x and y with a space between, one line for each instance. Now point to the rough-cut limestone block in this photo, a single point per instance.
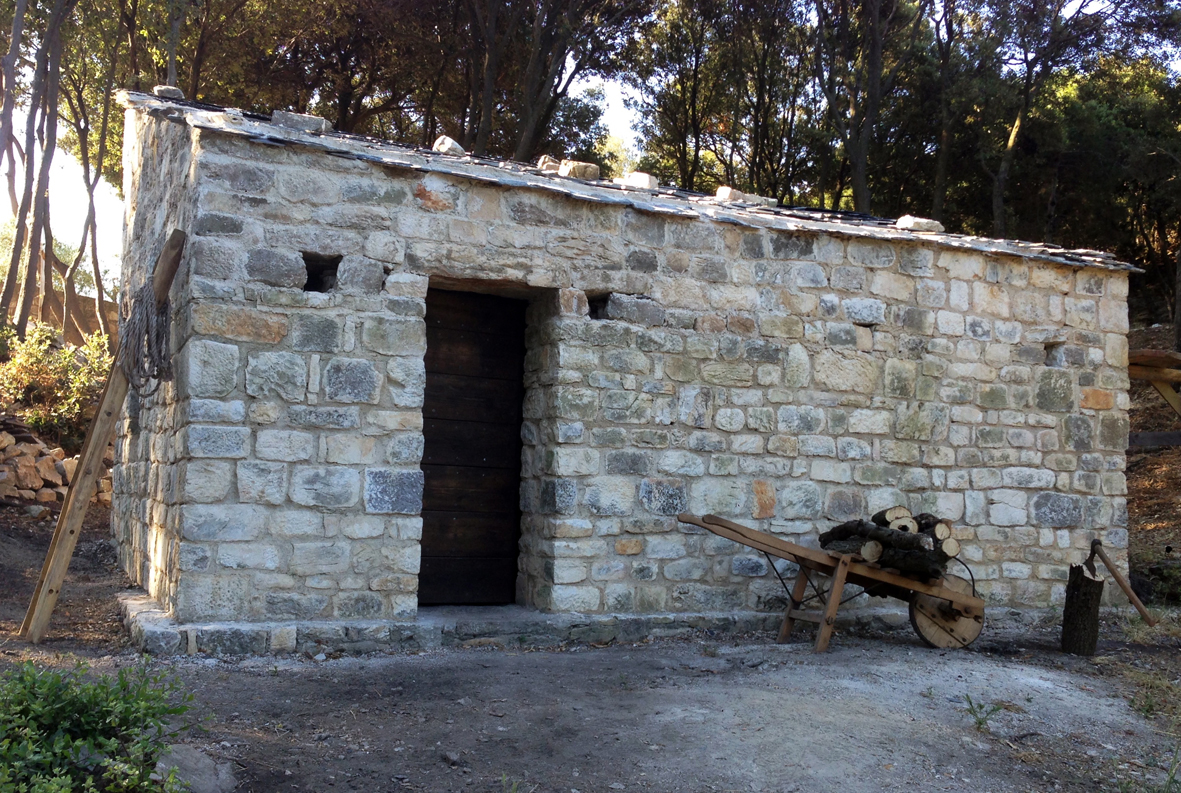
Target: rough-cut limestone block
pixel 281 374
pixel 392 491
pixel 325 486
pixel 352 380
pixel 211 368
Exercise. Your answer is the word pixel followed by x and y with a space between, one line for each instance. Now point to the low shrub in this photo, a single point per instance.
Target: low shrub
pixel 69 732
pixel 52 386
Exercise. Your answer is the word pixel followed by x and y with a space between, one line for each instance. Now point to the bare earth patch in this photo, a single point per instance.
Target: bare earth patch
pixel 87 615
pixel 1154 484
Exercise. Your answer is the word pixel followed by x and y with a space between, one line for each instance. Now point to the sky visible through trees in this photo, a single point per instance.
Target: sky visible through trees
pixel 1047 120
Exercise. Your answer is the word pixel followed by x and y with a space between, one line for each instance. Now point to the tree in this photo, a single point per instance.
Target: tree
pixel 859 49
pixel 1036 39
pixel 677 67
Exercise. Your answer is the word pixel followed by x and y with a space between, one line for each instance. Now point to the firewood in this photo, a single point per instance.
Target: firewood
pixel 871 551
pixel 843 531
pixel 917 563
pixel 905 524
pixel 851 545
pixel 884 517
pixel 930 524
pixel 890 538
pixel 950 547
pixel 925 520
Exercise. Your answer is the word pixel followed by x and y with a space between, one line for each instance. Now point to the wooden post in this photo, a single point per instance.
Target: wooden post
pixel 1080 614
pixel 69 521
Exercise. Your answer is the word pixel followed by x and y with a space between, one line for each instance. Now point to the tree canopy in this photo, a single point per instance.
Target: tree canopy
pixel 1041 119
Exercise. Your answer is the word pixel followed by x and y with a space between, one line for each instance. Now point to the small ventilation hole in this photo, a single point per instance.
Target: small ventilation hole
pixel 598 306
pixel 321 272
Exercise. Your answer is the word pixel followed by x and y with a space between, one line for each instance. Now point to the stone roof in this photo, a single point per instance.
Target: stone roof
pixel 661 201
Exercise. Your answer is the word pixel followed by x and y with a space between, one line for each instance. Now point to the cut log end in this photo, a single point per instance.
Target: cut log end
pixel 905 524
pixel 871 551
pixel 886 516
pixel 950 547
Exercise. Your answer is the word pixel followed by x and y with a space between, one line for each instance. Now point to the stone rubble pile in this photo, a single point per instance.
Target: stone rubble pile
pixel 32 471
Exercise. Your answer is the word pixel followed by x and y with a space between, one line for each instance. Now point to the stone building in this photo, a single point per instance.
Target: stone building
pixel 620 354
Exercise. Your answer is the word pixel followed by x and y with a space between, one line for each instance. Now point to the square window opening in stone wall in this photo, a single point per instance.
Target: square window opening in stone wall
pixel 322 272
pixel 472 413
pixel 598 305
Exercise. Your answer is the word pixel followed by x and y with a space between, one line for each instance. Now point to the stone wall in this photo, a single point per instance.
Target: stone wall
pixel 159 196
pixel 785 379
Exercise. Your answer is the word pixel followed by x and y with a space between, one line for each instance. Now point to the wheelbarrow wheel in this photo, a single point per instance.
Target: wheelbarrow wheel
pixel 942 624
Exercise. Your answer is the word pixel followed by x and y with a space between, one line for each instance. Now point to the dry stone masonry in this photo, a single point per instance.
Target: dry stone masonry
pixel 785 369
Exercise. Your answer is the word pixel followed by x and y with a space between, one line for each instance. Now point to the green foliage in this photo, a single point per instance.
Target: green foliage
pixel 51 385
pixel 67 732
pixel 981 712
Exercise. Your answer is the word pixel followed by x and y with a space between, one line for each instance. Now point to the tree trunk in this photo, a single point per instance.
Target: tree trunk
pixel 1080 614
pixel 487 22
pixel 1002 175
pixel 41 204
pixel 20 234
pixel 918 563
pixel 868 530
pixel 6 127
pixel 943 157
pixel 1177 301
pixel 176 12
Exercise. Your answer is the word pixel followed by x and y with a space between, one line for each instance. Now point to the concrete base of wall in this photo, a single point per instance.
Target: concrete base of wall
pixel 153 631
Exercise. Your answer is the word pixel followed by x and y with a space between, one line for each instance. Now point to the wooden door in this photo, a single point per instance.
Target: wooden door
pixel 471 515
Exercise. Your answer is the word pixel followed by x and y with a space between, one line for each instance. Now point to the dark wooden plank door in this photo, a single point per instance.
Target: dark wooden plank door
pixel 471 516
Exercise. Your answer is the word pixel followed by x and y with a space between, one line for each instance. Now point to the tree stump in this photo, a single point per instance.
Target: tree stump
pixel 1080 615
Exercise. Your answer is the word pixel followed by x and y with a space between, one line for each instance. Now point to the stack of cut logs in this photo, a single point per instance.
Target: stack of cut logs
pixel 917 545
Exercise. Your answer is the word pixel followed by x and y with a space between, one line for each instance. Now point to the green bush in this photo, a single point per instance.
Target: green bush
pixel 50 385
pixel 67 732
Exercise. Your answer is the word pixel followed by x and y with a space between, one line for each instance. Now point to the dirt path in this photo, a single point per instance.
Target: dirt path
pixel 876 714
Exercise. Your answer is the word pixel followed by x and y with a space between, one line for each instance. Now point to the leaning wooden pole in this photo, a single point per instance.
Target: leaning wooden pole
pixel 102 428
pixel 1097 549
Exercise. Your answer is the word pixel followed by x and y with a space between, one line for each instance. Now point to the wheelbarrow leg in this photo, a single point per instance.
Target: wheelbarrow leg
pixel 834 602
pixel 797 596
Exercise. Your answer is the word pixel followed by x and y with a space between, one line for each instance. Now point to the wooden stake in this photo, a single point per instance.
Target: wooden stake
pixel 102 428
pixel 1080 613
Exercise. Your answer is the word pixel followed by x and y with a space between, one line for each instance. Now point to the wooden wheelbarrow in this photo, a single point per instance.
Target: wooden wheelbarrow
pixel 945 613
